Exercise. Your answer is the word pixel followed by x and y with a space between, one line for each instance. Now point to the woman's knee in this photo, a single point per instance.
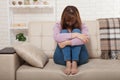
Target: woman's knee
pixel 76 30
pixel 64 31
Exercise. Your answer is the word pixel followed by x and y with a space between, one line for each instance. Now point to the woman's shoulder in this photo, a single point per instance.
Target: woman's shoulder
pixel 83 25
pixel 57 24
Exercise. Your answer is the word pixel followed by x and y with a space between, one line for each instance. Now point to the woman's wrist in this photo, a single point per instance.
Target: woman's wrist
pixel 74 35
pixel 68 42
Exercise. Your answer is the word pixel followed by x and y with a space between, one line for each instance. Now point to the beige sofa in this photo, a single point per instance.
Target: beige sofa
pixel 41 35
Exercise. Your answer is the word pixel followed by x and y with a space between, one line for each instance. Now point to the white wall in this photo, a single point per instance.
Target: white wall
pixel 92 9
pixel 89 10
pixel 4 39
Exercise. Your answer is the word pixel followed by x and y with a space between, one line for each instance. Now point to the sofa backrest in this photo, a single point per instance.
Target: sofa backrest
pixel 41 35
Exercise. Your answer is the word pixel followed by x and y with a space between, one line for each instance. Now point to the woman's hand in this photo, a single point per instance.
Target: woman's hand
pixel 64 43
pixel 83 37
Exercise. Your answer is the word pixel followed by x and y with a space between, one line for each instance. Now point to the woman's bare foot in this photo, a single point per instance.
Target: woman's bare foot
pixel 68 68
pixel 74 69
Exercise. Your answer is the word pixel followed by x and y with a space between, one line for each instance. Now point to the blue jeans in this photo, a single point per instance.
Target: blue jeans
pixel 72 53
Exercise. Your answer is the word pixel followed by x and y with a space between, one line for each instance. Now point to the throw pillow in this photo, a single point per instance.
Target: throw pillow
pixel 31 54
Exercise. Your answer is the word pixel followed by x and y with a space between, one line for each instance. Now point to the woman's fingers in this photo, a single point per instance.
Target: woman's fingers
pixel 83 37
pixel 61 45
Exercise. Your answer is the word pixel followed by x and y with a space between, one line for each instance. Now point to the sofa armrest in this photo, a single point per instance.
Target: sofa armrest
pixel 9 63
pixel 17 61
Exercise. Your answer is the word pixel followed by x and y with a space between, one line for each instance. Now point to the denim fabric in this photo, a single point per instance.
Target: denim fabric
pixel 78 53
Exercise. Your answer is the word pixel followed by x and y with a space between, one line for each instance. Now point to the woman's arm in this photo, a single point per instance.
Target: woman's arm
pixel 64 43
pixel 78 39
pixel 81 39
pixel 60 37
pixel 70 38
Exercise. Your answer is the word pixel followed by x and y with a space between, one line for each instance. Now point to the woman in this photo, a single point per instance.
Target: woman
pixel 70 35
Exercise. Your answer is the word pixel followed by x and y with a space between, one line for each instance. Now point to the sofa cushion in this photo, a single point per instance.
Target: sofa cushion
pixel 51 71
pixel 31 54
pixel 99 69
pixel 93 46
pixel 95 69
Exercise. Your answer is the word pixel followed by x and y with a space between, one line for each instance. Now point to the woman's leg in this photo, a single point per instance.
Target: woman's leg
pixel 76 49
pixel 83 57
pixel 61 56
pixel 59 59
pixel 75 55
pixel 75 58
pixel 81 50
pixel 66 50
pixel 58 56
pixel 65 55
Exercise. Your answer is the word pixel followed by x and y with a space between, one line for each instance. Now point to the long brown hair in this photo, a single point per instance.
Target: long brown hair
pixel 71 18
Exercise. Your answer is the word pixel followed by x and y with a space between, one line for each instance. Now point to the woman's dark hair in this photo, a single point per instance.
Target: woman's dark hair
pixel 71 18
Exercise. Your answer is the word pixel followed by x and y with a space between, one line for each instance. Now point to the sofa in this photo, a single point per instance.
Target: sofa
pixel 41 35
